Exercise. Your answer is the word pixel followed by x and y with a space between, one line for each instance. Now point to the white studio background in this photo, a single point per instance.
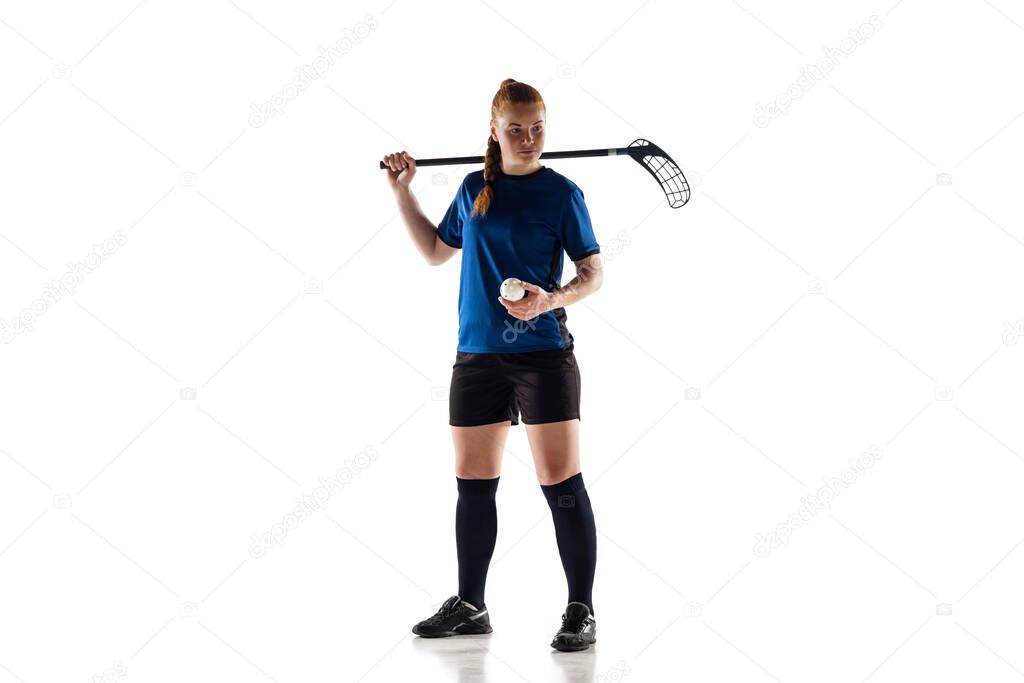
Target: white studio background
pixel 844 286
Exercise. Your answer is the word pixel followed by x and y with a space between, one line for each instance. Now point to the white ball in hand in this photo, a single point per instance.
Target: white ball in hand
pixel 512 289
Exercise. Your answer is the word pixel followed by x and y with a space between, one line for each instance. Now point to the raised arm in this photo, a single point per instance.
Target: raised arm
pixel 401 169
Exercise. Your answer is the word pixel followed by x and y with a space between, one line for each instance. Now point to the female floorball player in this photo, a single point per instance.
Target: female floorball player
pixel 513 219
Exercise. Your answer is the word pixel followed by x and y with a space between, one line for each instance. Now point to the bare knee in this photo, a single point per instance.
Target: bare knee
pixel 477 471
pixel 547 477
pixel 555 446
pixel 477 464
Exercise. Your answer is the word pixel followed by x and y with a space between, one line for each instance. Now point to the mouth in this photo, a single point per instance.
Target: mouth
pixel 527 152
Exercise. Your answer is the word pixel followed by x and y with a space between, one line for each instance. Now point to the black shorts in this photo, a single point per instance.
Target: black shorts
pixel 493 387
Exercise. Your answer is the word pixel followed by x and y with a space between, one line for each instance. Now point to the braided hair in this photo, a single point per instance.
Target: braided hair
pixel 511 91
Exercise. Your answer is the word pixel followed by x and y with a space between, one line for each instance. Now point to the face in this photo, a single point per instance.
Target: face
pixel 519 131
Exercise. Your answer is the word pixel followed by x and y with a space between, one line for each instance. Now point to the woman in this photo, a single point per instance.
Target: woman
pixel 513 219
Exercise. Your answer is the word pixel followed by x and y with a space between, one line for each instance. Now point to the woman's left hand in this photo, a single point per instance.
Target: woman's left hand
pixel 529 307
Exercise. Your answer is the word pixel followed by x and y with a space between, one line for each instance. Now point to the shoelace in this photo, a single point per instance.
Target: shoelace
pixel 443 613
pixel 576 627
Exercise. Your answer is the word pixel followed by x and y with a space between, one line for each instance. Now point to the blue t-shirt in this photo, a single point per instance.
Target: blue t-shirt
pixel 532 219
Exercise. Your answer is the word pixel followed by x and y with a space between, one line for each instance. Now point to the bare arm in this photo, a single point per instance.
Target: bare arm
pixel 401 169
pixel 421 230
pixel 589 278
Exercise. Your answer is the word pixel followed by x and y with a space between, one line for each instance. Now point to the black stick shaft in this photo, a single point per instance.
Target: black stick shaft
pixel 603 152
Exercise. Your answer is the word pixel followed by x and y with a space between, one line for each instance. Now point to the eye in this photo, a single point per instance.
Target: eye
pixel 515 131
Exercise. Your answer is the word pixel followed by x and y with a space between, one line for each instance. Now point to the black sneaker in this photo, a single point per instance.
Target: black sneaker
pixel 455 618
pixel 579 629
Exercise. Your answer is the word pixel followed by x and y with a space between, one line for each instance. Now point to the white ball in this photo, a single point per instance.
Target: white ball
pixel 512 289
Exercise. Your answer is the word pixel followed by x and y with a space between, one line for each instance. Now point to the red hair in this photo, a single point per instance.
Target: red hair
pixel 511 91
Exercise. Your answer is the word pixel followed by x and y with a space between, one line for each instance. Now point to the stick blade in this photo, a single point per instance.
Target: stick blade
pixel 660 165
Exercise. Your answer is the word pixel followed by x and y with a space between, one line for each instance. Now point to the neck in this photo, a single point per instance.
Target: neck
pixel 508 169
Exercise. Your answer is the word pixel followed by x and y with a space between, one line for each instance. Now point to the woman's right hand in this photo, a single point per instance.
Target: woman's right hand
pixel 400 169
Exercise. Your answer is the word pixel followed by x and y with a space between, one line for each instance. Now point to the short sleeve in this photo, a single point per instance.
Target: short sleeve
pixel 575 229
pixel 450 227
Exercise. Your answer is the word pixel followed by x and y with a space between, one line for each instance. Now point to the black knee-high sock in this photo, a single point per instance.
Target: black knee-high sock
pixel 576 535
pixel 476 530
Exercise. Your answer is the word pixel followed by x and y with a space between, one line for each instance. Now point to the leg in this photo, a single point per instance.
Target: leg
pixel 547 386
pixel 478 452
pixel 481 410
pixel 555 447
